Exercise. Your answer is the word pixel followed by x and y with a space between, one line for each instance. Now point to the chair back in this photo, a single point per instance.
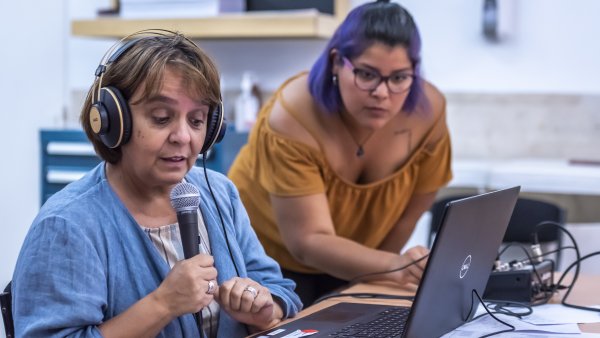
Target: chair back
pixel 528 213
pixel 6 305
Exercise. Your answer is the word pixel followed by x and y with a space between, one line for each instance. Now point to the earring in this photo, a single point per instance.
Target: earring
pixel 334 79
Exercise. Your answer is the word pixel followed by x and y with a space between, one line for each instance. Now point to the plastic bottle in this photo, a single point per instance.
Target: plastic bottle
pixel 246 105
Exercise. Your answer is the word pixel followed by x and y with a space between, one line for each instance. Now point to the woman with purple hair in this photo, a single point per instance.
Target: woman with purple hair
pixel 344 160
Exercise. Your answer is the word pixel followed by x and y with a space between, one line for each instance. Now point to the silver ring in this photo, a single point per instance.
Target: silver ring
pixel 211 287
pixel 252 290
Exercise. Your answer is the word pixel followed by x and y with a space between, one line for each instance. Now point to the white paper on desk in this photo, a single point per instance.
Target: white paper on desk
pixel 554 314
pixel 560 314
pixel 486 324
pixel 465 334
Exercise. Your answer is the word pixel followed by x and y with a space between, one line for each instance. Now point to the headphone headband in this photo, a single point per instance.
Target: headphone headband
pixel 109 116
pixel 121 46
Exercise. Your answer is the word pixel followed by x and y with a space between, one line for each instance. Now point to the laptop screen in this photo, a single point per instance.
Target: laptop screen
pixel 460 261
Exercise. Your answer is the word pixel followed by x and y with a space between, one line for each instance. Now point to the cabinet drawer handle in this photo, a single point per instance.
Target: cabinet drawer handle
pixel 70 148
pixel 63 176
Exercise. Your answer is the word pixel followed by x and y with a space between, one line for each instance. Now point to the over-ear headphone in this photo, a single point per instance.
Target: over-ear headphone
pixel 110 117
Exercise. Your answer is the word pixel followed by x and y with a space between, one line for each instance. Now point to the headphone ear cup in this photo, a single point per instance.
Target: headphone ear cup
pixel 115 117
pixel 215 130
pixel 98 119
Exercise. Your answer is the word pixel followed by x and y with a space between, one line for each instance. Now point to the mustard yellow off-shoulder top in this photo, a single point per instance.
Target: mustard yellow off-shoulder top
pixel 272 164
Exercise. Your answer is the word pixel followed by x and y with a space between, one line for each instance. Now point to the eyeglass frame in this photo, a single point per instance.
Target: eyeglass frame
pixel 382 78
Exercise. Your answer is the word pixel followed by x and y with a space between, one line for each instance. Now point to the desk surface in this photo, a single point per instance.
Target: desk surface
pixel 584 293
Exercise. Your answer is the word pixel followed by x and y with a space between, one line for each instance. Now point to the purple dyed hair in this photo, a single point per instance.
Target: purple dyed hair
pixel 380 21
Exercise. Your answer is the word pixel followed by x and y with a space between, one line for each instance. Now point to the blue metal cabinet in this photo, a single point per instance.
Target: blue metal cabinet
pixel 67 155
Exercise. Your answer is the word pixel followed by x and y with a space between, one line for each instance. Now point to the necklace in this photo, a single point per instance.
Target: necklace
pixel 360 151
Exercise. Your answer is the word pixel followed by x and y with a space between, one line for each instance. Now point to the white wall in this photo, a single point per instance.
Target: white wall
pixel 31 91
pixel 552 48
pixel 549 46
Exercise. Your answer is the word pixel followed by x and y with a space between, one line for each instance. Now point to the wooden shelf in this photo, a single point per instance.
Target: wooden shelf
pixel 297 25
pixel 276 24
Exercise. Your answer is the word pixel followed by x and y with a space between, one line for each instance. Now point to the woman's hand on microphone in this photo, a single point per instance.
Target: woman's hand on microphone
pixel 186 287
pixel 249 302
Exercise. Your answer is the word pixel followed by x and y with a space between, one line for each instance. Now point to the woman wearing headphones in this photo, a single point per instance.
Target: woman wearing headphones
pixel 344 160
pixel 104 258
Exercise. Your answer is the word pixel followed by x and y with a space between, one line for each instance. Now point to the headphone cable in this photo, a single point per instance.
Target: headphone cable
pixel 212 194
pixel 357 278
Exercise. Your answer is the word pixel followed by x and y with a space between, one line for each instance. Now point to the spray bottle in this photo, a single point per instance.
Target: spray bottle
pixel 246 105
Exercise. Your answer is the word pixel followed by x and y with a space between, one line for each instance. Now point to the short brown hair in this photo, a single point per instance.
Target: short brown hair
pixel 144 63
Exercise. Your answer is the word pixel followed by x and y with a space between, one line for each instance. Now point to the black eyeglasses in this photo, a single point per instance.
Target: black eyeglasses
pixel 369 80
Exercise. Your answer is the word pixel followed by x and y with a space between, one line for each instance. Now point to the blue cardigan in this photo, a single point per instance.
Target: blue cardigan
pixel 86 260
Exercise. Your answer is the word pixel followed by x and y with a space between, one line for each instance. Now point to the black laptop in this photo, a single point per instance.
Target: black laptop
pixel 460 261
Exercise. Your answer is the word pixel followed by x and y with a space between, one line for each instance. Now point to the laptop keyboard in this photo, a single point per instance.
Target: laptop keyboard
pixel 389 323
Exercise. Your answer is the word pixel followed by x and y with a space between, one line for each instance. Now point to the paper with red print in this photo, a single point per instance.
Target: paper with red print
pixel 301 333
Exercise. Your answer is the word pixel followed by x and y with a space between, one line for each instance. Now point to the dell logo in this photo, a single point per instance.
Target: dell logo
pixel 465 267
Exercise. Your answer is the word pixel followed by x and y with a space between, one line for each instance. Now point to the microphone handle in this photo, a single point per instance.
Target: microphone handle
pixel 188 228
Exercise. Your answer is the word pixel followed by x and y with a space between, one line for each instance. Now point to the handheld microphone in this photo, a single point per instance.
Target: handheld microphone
pixel 185 199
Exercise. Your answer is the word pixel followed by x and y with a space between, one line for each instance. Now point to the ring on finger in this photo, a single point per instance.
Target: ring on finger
pixel 252 290
pixel 211 287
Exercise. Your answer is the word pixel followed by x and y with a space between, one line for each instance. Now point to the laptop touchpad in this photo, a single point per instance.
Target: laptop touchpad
pixel 335 315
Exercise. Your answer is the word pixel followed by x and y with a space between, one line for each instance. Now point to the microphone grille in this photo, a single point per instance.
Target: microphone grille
pixel 184 197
